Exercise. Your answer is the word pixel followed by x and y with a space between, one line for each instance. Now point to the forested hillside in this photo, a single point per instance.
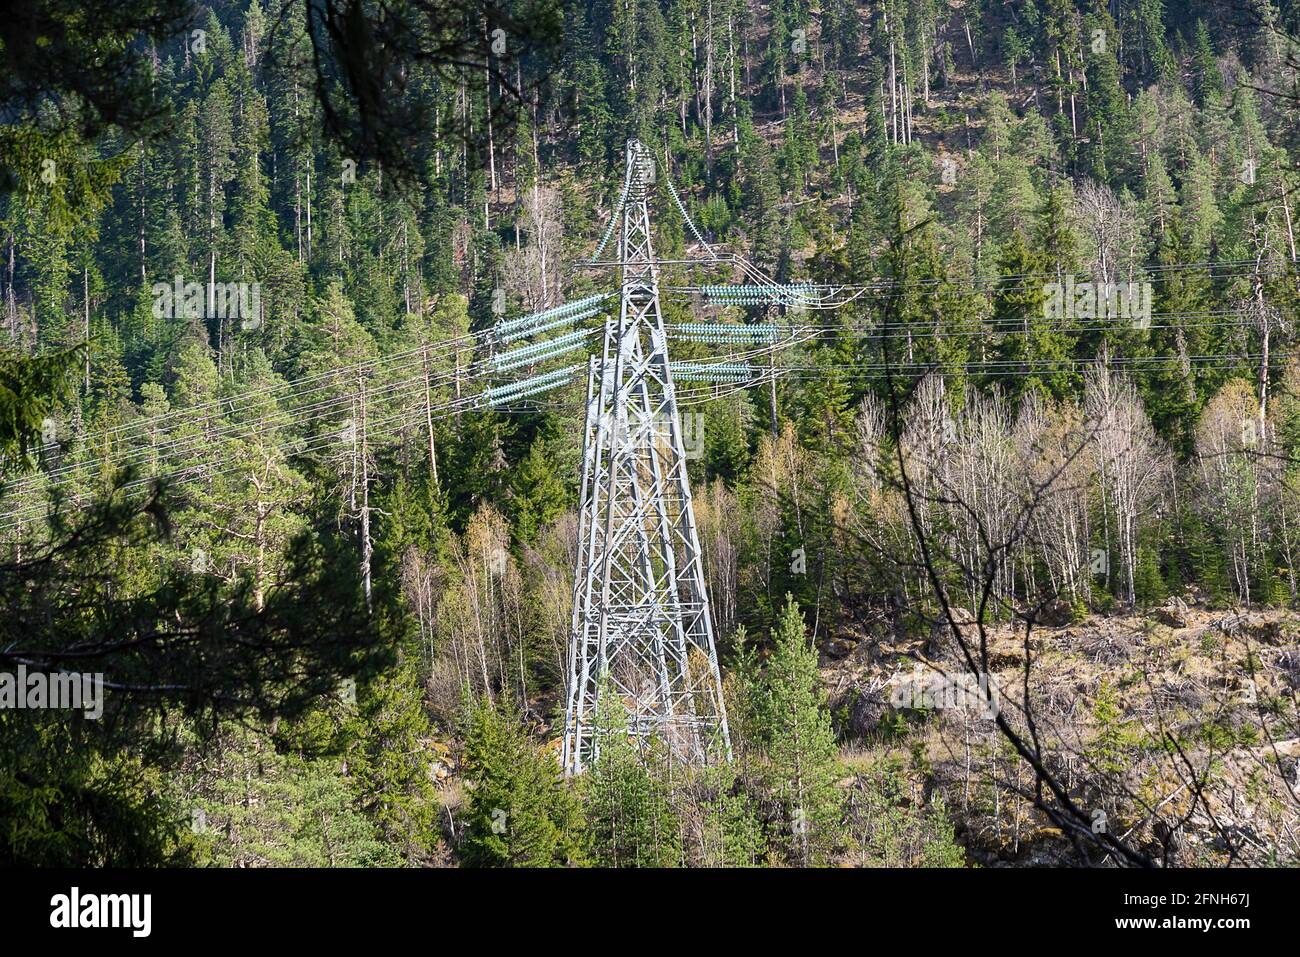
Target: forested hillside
pixel 1050 435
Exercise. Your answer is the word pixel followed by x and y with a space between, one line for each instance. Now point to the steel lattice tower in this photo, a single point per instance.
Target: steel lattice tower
pixel 641 624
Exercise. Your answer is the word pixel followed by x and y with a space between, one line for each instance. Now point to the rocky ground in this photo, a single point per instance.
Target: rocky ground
pixel 1177 730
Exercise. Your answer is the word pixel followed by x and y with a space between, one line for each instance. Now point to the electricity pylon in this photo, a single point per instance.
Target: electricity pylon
pixel 641 625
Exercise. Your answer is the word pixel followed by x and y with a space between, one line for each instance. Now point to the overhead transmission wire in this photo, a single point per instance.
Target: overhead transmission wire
pixel 202 472
pixel 222 407
pixel 1152 273
pixel 169 457
pixel 697 394
pixel 1029 365
pixel 797 297
pixel 804 295
pixel 288 419
pixel 798 294
pixel 613 219
pixel 225 405
pixel 1001 328
pixel 160 456
pixel 681 208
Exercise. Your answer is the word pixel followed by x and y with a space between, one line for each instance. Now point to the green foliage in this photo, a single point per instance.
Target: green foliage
pixel 1111 744
pixel 30 388
pixel 66 803
pixel 861 152
pixel 256 806
pixel 732 834
pixel 1148 583
pixel 889 830
pixel 629 818
pixel 390 762
pixel 178 645
pixel 803 758
pixel 537 492
pixel 520 812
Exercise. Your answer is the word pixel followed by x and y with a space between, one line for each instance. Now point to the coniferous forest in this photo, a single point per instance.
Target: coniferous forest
pixel 1000 526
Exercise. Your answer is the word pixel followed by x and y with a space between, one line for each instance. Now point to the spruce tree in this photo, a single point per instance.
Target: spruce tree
pixel 631 821
pixel 520 812
pixel 803 758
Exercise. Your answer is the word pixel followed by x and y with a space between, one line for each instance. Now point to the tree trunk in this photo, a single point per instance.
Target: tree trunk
pixel 85 297
pixel 428 420
pixel 367 549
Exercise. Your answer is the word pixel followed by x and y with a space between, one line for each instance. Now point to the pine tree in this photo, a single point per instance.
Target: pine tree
pixel 731 833
pixel 804 761
pixel 1207 81
pixel 537 492
pixel 630 819
pixel 520 812
pixel 1035 342
pixel 389 761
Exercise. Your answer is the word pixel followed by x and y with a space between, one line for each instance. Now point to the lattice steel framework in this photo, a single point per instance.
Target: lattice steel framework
pixel 641 625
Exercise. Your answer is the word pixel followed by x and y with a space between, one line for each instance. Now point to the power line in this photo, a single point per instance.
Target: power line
pixel 201 472
pixel 224 403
